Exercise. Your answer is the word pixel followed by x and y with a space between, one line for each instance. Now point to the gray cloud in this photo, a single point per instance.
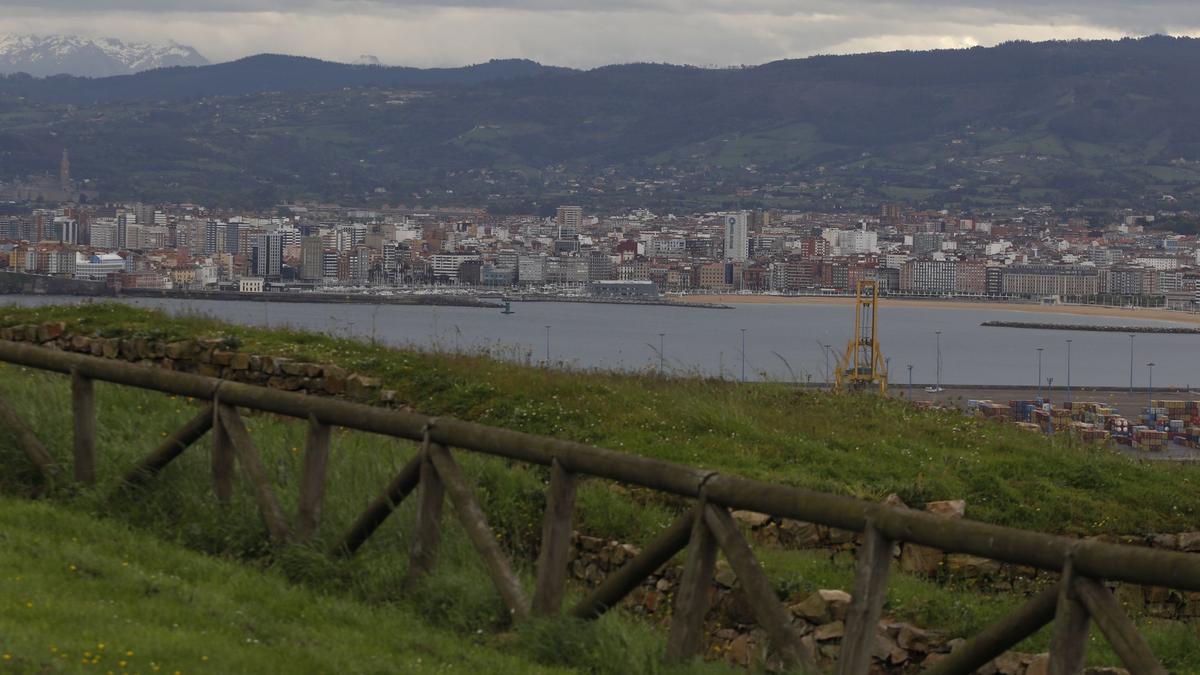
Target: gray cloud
pixel 582 34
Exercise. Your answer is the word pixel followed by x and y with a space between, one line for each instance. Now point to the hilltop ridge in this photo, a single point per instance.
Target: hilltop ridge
pixel 1100 124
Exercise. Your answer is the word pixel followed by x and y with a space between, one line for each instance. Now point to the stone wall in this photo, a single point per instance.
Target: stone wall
pixel 733 635
pixel 212 358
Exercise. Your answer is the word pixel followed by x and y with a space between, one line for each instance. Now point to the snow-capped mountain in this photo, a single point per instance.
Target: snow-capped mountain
pixel 42 55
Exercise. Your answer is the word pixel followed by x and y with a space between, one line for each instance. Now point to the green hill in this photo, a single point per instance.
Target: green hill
pixel 1097 123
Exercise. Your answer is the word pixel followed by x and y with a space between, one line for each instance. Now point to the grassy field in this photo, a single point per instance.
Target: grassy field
pixel 81 594
pixel 862 446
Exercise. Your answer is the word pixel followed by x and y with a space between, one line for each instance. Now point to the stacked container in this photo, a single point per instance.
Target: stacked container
pixel 1150 440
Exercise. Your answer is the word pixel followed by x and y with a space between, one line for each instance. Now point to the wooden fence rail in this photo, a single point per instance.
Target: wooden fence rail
pixel 1079 598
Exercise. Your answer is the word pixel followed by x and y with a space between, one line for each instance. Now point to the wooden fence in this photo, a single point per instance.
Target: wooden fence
pixel 1079 598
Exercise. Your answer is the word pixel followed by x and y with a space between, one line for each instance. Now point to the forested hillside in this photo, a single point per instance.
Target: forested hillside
pixel 1101 123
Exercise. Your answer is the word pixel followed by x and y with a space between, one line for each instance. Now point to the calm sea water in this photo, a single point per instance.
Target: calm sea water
pixel 781 341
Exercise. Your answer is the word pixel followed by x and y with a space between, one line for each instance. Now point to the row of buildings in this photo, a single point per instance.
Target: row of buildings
pixel 1020 253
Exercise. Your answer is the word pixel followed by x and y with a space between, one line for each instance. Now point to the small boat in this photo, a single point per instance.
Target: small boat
pixel 507 308
pixel 934 390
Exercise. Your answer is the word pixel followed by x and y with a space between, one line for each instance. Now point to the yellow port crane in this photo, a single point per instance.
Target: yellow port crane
pixel 862 366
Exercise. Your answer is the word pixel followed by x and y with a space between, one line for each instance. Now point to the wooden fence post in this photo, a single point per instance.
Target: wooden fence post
pixel 556 541
pixel 1069 639
pixel 686 636
pixel 312 478
pixel 83 407
pixel 870 591
pixel 427 535
pixel 222 458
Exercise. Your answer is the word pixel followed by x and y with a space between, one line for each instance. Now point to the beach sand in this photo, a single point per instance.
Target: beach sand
pixel 1082 310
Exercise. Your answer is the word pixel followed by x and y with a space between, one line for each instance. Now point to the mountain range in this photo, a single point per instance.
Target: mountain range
pixel 1099 124
pixel 89 57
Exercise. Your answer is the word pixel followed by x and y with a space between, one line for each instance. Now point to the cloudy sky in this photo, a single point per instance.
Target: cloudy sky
pixel 583 34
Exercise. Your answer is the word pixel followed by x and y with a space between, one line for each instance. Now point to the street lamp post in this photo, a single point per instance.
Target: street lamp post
pixel 1039 380
pixel 1050 419
pixel 547 346
pixel 743 355
pixel 825 350
pixel 1068 370
pixel 910 398
pixel 1150 390
pixel 938 383
pixel 661 347
pixel 1131 363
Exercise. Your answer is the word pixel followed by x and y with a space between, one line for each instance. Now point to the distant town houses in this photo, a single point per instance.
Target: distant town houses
pixel 1031 253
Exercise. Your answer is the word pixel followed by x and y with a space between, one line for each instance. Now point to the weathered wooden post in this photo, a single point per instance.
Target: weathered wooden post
pixel 769 612
pixel 1000 636
pixel 870 591
pixel 427 534
pixel 83 406
pixel 474 522
pixel 556 541
pixel 171 447
pixel 248 457
pixel 380 508
pixel 686 636
pixel 1117 628
pixel 312 479
pixel 222 458
pixel 1069 636
pixel 622 582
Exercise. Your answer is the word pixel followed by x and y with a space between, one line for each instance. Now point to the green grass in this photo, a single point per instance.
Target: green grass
pixel 862 446
pixel 457 600
pixel 80 594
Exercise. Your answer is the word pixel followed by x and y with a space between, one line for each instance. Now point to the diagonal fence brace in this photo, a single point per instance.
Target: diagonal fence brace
pixel 248 457
pixel 475 523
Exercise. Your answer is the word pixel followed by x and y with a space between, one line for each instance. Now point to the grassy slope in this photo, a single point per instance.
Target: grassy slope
pixel 752 421
pixel 861 446
pixel 73 601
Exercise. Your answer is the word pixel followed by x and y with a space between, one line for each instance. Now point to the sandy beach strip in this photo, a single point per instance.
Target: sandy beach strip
pixel 1082 310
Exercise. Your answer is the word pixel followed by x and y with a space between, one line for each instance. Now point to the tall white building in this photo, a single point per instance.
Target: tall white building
pixel 854 242
pixel 737 239
pixel 569 220
pixel 445 265
pixel 531 269
pixel 104 233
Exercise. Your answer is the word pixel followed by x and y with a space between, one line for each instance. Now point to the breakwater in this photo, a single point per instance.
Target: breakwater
pixel 309 298
pixel 1166 330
